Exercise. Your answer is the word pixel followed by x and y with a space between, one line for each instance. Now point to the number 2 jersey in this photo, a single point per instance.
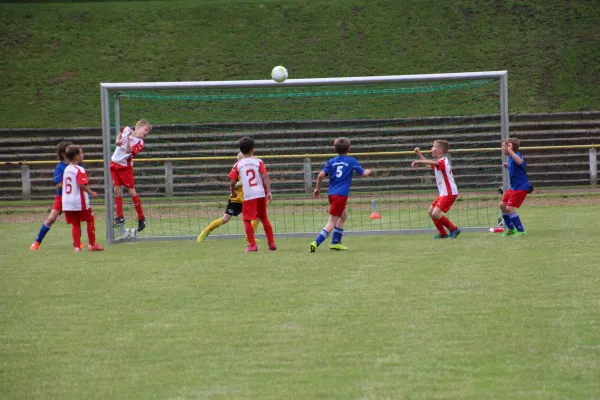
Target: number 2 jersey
pixel 250 171
pixel 340 169
pixel 73 197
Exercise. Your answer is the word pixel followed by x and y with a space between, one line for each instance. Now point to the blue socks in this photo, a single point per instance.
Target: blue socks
pixel 43 230
pixel 516 221
pixel 507 222
pixel 337 235
pixel 321 237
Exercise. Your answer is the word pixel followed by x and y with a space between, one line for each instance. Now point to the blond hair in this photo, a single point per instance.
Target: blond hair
pixel 143 122
pixel 442 145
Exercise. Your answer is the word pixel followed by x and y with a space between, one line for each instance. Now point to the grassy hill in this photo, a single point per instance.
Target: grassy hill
pixel 53 55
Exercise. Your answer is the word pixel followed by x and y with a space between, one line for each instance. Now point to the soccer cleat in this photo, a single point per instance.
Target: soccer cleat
pixel 520 234
pixel 454 234
pixel 251 248
pixel 438 236
pixel 508 232
pixel 272 246
pixel 141 224
pixel 338 246
pixel 77 249
pixel 95 247
pixel 119 221
pixel 35 246
pixel 313 246
pixel 201 237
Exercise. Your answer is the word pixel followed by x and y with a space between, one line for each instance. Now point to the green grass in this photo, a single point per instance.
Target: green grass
pixel 55 54
pixel 395 317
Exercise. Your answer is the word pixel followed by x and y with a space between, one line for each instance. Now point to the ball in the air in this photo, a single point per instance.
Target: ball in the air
pixel 279 74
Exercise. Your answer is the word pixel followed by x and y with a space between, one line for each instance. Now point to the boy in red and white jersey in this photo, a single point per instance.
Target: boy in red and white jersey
pixel 257 191
pixel 76 200
pixel 129 144
pixel 446 186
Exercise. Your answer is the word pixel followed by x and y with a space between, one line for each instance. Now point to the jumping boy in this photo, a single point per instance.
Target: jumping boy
pixel 340 170
pixel 519 188
pixel 76 201
pixel 446 186
pixel 129 144
pixel 57 205
pixel 233 209
pixel 257 191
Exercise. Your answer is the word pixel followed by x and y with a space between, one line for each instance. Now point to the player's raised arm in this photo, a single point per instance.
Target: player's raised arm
pixel 419 154
pixel 518 160
pixel 367 172
pixel 416 163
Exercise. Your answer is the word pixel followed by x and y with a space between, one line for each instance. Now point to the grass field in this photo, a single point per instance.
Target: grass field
pixel 54 54
pixel 395 317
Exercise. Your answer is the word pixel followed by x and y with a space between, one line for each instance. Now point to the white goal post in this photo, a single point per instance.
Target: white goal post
pixel 111 118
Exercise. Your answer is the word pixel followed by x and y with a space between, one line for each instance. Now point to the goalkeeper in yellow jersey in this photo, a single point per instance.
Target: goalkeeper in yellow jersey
pixel 233 209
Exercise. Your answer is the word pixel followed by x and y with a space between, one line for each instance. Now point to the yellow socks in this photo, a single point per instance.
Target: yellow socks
pixel 213 225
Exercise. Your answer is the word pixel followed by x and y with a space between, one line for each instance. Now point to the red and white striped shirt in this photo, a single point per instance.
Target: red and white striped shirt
pixel 73 197
pixel 444 177
pixel 250 171
pixel 120 156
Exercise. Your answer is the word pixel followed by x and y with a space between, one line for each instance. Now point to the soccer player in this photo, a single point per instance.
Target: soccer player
pixel 519 188
pixel 257 191
pixel 233 209
pixel 129 144
pixel 446 186
pixel 76 200
pixel 57 205
pixel 340 170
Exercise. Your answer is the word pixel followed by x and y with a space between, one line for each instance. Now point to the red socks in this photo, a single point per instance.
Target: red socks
pixel 119 205
pixel 440 226
pixel 249 232
pixel 268 230
pixel 91 231
pixel 137 203
pixel 76 233
pixel 446 222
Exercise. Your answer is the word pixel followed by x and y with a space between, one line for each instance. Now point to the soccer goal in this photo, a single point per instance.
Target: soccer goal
pixel 181 175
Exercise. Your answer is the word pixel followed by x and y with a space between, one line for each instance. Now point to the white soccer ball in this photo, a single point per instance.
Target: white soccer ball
pixel 279 74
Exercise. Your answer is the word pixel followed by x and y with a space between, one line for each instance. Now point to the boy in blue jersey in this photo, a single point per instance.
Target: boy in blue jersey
pixel 56 210
pixel 340 170
pixel 519 188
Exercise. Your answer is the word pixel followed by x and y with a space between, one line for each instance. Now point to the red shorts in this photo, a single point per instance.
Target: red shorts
pixel 77 217
pixel 254 209
pixel 444 202
pixel 337 205
pixel 514 198
pixel 122 175
pixel 57 205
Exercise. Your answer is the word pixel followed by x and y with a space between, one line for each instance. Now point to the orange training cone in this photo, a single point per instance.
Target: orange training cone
pixel 374 214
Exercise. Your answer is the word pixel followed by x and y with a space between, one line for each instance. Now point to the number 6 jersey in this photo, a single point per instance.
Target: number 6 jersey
pixel 250 171
pixel 73 197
